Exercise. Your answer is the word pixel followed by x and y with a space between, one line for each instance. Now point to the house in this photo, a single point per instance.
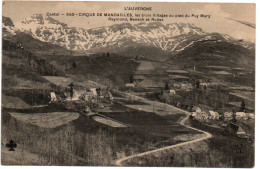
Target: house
pixel 250 115
pixel 130 85
pixel 176 85
pixel 186 86
pixel 241 115
pixel 89 94
pixel 94 91
pixel 139 78
pixel 109 96
pixel 193 109
pixel 172 92
pixel 76 95
pixel 193 114
pixel 205 85
pixel 202 115
pixel 228 115
pixel 241 132
pixel 198 110
pixel 53 96
pixel 214 115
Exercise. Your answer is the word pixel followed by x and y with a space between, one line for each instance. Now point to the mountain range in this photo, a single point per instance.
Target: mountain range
pixel 171 38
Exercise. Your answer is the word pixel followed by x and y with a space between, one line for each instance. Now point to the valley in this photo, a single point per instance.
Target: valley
pixel 125 92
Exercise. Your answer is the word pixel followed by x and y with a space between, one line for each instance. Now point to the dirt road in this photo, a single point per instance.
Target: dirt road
pixel 182 122
pixel 167 109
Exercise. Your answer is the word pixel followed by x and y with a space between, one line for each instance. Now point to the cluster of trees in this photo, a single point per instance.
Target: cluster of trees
pixel 106 54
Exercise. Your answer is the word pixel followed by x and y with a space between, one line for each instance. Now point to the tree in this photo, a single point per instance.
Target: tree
pixel 193 83
pixel 136 57
pixel 74 65
pixel 197 84
pixel 98 90
pixel 243 106
pixel 166 87
pixel 108 54
pixel 71 89
pixel 234 116
pixel 131 78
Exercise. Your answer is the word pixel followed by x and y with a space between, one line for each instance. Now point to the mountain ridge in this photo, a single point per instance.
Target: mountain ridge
pixel 171 37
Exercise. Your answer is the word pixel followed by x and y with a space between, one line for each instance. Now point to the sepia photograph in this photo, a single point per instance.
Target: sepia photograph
pixel 133 84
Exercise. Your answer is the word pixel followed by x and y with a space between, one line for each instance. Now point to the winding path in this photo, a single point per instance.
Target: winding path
pixel 182 122
pixel 207 135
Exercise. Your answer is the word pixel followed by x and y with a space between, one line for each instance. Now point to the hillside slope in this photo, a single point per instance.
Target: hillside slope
pixel 21 68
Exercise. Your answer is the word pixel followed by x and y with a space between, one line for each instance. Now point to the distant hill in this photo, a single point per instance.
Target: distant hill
pixel 216 52
pixel 38 47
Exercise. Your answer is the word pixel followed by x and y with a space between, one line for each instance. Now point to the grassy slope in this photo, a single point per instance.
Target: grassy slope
pixel 64 145
pixel 223 53
pixel 38 47
pixel 219 151
pixel 115 68
pixel 20 63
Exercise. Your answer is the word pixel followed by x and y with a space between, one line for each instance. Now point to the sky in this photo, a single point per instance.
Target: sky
pixel 218 21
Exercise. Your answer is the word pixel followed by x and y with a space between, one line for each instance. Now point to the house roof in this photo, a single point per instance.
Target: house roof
pixel 240 131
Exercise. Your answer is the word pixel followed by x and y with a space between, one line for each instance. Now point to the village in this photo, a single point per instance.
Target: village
pixel 208 97
pixel 210 101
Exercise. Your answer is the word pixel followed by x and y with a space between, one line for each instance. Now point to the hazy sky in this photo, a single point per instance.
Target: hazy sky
pixel 217 22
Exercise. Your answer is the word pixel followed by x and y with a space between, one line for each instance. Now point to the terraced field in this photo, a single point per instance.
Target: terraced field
pixel 46 120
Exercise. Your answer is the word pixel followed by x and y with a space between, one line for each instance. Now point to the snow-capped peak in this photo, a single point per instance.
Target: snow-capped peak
pixel 168 37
